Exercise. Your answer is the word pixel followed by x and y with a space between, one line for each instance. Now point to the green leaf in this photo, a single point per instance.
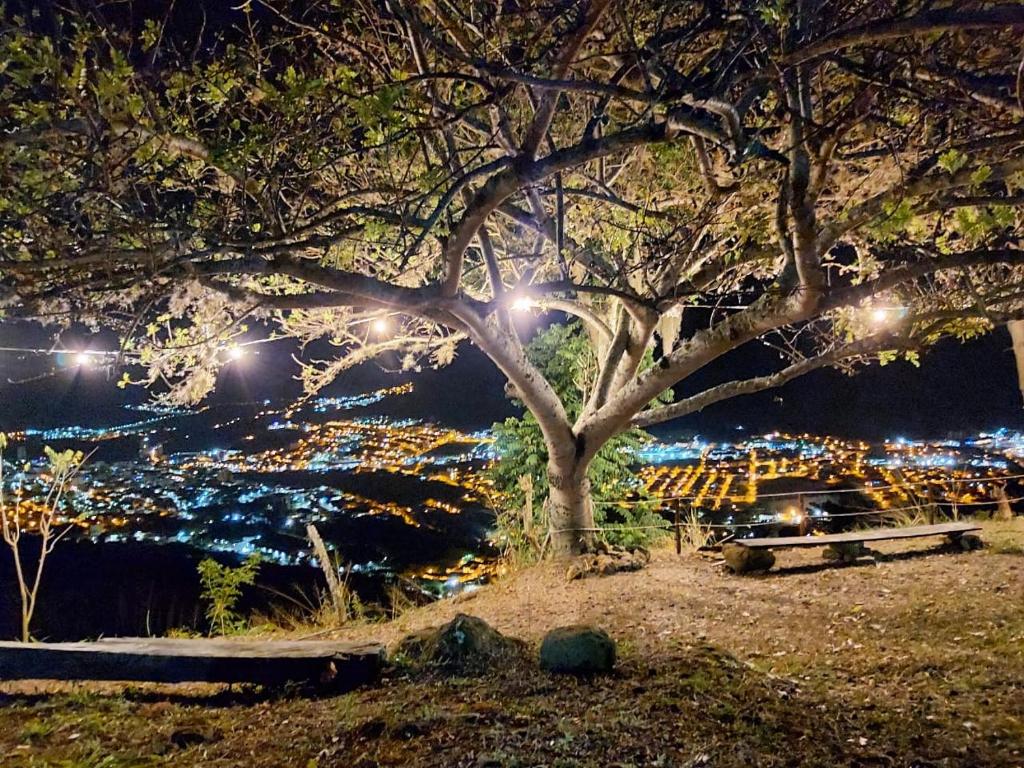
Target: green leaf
pixel 150 34
pixel 952 161
pixel 981 174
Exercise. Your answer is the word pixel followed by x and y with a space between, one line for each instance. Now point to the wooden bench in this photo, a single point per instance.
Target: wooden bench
pixel 322 663
pixel 750 555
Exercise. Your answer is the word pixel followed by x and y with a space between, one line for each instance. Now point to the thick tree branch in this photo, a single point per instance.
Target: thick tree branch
pixel 731 389
pixel 941 20
pixel 898 275
pixel 929 184
pixel 530 385
pixel 545 112
pixel 583 312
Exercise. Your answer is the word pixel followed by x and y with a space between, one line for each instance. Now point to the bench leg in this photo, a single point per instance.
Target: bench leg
pixel 741 559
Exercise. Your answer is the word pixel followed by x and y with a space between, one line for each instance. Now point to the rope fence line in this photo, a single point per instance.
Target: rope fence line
pixel 828 516
pixel 823 491
pixel 936 502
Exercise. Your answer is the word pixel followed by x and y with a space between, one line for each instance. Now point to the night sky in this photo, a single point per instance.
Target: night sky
pixel 959 388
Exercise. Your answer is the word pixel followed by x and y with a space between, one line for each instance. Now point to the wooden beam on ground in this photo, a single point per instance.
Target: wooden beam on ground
pixel 867 534
pixel 324 663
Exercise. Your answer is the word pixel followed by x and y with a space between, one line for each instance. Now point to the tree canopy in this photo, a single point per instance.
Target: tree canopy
pixel 840 180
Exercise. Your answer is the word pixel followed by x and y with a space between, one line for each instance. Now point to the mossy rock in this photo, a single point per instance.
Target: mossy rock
pixel 606 561
pixel 845 552
pixel 577 650
pixel 465 645
pixel 741 559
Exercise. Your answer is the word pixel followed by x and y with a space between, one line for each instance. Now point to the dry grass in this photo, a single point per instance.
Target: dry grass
pixel 917 660
pixel 693 534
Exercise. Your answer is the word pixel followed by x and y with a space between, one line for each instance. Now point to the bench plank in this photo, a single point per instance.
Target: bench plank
pixel 340 665
pixel 868 534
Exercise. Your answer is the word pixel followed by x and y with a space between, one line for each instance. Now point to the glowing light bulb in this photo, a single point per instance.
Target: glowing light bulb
pixel 83 359
pixel 885 316
pixel 235 352
pixel 381 326
pixel 522 304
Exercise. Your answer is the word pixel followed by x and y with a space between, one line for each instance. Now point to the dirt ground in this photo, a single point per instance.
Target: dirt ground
pixel 916 659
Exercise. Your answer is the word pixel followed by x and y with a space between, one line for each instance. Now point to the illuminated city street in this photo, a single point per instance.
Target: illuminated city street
pixel 410 499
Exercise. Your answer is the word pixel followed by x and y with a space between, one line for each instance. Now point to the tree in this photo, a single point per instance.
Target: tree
pixel 841 181
pixel 564 357
pixel 39 516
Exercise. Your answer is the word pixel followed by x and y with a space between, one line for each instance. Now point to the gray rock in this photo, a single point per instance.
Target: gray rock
pixel 741 559
pixel 577 650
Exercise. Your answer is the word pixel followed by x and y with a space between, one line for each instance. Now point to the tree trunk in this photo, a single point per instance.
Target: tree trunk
pixel 570 511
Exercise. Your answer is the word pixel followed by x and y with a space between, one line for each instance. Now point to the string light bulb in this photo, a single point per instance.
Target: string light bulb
pixel 522 303
pixel 880 316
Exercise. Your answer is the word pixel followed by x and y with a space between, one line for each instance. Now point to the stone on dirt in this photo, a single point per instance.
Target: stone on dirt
pixel 465 645
pixel 969 542
pixel 577 650
pixel 845 552
pixel 741 559
pixel 606 561
pixel 185 738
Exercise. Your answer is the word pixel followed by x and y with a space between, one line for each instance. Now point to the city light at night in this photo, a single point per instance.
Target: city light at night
pixel 183 497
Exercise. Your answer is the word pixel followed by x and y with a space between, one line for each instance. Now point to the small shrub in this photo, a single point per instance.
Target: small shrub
pixel 36 730
pixel 633 524
pixel 398 601
pixel 1005 547
pixel 222 589
pixel 42 518
pixel 181 633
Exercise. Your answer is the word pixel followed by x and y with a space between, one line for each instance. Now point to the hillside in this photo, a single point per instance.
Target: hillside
pixel 916 660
